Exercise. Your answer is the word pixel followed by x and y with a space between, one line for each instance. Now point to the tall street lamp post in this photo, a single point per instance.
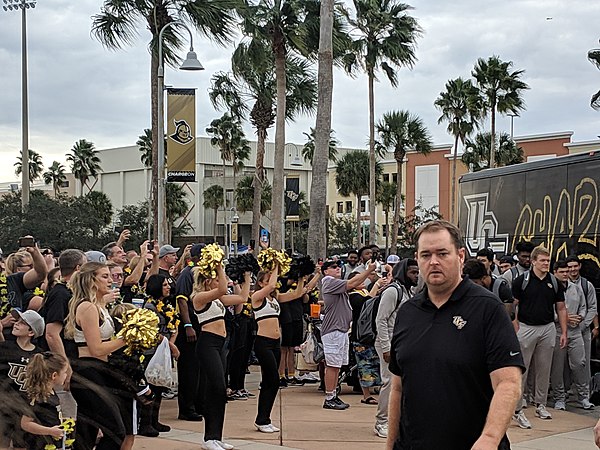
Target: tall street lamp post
pixel 191 63
pixel 23 5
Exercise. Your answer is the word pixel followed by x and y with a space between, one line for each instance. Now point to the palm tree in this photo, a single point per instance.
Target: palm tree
pixel 501 89
pixel 387 37
pixel 280 25
pixel 386 197
pixel 308 150
pixel 144 144
pixel 252 87
pixel 85 162
pixel 244 195
pixel 55 175
pixel 228 136
pixel 476 155
pixel 176 206
pixel 461 106
pixel 317 224
pixel 400 131
pixel 214 199
pixel 116 26
pixel 36 166
pixel 594 58
pixel 352 178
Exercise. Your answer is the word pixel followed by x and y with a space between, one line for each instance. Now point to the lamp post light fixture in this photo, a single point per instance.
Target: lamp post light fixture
pixel 296 160
pixel 23 5
pixel 191 63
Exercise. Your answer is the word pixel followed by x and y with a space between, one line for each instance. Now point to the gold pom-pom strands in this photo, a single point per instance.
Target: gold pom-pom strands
pixel 212 256
pixel 268 258
pixel 140 330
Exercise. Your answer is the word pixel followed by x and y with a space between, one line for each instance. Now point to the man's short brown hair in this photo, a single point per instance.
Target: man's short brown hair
pixel 438 225
pixel 539 251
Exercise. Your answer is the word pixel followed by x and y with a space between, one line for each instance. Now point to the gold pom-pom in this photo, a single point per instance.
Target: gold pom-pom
pixel 212 256
pixel 140 330
pixel 268 258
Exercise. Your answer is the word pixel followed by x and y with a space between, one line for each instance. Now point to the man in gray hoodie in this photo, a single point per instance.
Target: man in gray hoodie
pixel 405 274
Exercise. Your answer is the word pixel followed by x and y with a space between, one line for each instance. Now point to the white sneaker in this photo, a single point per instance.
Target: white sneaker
pixel 211 445
pixel 542 413
pixel 270 428
pixel 521 420
pixel 225 446
pixel 381 430
pixel 586 404
pixel 560 405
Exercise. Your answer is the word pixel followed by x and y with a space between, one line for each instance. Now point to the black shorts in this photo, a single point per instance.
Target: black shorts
pixel 292 333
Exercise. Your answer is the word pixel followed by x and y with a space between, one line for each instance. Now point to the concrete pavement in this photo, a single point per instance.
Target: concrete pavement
pixel 306 425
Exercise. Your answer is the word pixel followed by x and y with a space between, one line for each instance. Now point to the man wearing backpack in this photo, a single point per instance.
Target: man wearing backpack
pixel 537 293
pixel 479 274
pixel 524 250
pixel 591 316
pixel 405 275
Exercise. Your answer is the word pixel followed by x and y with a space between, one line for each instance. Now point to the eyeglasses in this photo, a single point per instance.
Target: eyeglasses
pixel 116 275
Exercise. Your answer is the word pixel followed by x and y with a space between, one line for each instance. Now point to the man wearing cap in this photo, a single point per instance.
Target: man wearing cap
pixel 335 326
pixel 95 256
pixel 14 357
pixel 188 369
pixel 167 258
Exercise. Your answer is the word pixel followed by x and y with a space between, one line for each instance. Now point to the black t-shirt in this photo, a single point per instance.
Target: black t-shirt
pixel 13 365
pixel 45 413
pixel 357 300
pixel 445 357
pixel 184 287
pixel 16 289
pixel 536 302
pixel 56 310
pixel 172 282
pixel 130 291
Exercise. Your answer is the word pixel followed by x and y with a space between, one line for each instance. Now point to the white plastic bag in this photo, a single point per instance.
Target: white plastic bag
pixel 159 371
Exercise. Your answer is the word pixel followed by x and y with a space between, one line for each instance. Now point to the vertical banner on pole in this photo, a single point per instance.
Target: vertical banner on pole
pixel 292 198
pixel 181 134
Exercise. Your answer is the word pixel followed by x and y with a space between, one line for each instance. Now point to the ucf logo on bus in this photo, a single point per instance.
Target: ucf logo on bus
pixel 482 226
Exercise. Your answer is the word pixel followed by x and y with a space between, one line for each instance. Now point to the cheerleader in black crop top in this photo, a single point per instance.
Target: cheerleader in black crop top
pixel 265 304
pixel 210 299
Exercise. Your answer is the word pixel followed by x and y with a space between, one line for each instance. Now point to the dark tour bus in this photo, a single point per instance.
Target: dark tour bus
pixel 553 202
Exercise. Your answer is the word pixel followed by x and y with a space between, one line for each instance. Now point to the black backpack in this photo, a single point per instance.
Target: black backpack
pixel 366 330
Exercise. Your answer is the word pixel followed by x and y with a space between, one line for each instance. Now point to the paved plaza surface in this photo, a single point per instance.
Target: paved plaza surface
pixel 306 425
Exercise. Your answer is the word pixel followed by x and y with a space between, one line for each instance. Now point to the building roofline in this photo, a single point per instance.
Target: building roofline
pixel 582 143
pixel 544 136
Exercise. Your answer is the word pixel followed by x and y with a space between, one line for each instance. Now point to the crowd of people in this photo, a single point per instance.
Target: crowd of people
pixel 64 321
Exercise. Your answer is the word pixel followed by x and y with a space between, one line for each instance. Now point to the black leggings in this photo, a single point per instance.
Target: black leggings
pixel 209 350
pixel 99 391
pixel 268 352
pixel 240 353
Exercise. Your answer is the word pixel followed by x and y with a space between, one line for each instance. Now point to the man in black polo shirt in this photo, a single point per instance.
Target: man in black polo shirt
pixel 536 294
pixel 453 350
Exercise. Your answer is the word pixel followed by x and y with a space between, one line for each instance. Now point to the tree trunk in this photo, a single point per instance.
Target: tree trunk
pixel 215 224
pixel 372 184
pixel 493 143
pixel 453 200
pixel 394 248
pixel 154 97
pixel 257 184
pixel 317 226
pixel 278 159
pixel 387 231
pixel 358 224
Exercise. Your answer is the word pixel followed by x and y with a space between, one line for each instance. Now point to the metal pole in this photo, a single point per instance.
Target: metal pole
pixel 162 207
pixel 25 118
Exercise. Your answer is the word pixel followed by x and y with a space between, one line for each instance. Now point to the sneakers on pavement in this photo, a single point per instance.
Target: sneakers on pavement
pixel 294 382
pixel 247 393
pixel 225 446
pixel 542 413
pixel 270 428
pixel 283 383
pixel 211 445
pixel 237 395
pixel 521 420
pixel 560 405
pixel 586 404
pixel 381 430
pixel 332 404
pixel 340 402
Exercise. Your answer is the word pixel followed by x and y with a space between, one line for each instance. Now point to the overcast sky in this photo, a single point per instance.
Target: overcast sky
pixel 79 90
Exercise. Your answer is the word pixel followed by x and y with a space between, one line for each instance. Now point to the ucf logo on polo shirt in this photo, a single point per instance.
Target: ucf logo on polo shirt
pixel 459 322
